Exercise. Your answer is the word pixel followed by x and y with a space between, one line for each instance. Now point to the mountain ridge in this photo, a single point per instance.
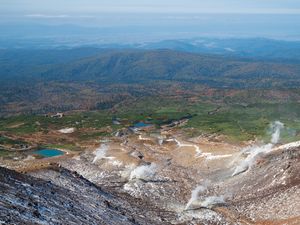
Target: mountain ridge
pixel 140 66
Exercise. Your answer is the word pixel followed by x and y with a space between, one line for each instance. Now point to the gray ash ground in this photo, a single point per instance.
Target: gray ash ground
pixel 65 197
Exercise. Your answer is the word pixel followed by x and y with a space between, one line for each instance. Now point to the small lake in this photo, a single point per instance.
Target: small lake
pixel 47 153
pixel 142 124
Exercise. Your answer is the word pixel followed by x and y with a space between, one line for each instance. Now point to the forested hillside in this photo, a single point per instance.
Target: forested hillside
pixel 43 80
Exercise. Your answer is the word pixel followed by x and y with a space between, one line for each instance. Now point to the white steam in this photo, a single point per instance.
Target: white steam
pixel 160 141
pixel 144 172
pixel 212 201
pixel 209 202
pixel 195 194
pixel 288 146
pixel 100 153
pixel 253 152
pixel 127 171
pixel 276 128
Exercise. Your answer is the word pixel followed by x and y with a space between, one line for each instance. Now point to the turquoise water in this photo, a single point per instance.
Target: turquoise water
pixel 49 152
pixel 142 124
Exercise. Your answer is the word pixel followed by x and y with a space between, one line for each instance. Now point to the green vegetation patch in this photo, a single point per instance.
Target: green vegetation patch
pixel 239 122
pixel 24 124
pixel 93 135
pixel 4 153
pixel 245 123
pixel 34 123
pixel 8 141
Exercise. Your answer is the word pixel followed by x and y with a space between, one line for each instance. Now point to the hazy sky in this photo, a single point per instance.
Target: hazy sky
pixel 259 18
pixel 84 7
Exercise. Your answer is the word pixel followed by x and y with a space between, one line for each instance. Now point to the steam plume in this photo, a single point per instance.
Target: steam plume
pixel 276 128
pixel 144 172
pixel 212 201
pixel 195 194
pixel 100 153
pixel 253 151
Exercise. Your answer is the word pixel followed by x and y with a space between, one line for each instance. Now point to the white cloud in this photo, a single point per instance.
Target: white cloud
pixel 53 16
pixel 46 16
pixel 54 7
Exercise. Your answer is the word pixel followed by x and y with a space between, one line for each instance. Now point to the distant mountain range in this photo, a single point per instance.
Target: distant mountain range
pixel 42 37
pixel 250 48
pixel 70 78
pixel 140 66
pixel 129 66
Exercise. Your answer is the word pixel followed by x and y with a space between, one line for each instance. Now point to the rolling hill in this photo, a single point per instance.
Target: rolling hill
pixel 94 78
pixel 130 66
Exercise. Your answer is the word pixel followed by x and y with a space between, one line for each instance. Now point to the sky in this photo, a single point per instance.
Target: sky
pixel 85 7
pixel 260 18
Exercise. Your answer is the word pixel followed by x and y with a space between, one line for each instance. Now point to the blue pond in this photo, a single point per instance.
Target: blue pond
pixel 49 152
pixel 142 124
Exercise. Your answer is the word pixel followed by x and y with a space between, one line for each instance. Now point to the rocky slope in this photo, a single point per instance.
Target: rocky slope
pixel 70 200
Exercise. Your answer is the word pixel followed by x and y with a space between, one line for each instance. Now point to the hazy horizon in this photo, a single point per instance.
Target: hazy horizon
pixel 138 21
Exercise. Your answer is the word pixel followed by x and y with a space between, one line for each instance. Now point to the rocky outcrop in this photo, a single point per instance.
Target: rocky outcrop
pixel 28 200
